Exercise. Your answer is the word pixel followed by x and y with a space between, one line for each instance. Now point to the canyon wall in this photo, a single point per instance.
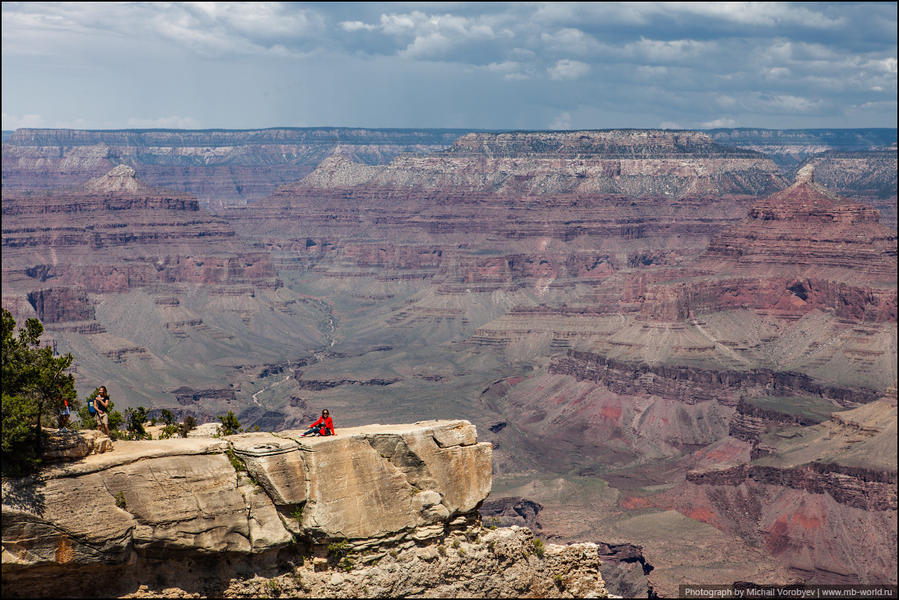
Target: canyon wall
pixel 306 512
pixel 219 167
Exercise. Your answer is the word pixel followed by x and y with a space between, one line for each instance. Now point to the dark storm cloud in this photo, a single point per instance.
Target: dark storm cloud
pixel 484 65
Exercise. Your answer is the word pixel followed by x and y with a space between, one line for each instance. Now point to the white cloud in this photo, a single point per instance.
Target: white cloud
pixel 356 26
pixel 567 69
pixel 207 28
pixel 887 65
pixel 433 36
pixel 758 13
pixel 717 123
pixel 571 41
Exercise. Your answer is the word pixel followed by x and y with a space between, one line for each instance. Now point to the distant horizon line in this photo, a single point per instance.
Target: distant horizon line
pixel 446 129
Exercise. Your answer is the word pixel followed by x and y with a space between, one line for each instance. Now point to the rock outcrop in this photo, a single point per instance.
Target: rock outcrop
pixel 258 498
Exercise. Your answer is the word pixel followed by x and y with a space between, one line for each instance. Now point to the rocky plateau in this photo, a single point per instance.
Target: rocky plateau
pixel 381 509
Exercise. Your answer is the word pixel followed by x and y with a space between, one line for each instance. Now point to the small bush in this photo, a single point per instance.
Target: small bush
pixel 236 461
pixel 167 416
pixel 168 431
pixel 230 424
pixel 120 500
pixel 456 543
pixel 539 548
pixel 273 587
pixel 347 563
pixel 297 513
pixel 557 579
pixel 441 550
pixel 339 549
pixel 135 419
pixel 188 424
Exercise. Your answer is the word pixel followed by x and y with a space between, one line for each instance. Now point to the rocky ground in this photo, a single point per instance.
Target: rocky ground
pixel 476 562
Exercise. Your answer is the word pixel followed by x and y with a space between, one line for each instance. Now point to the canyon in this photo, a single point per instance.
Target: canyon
pixel 680 345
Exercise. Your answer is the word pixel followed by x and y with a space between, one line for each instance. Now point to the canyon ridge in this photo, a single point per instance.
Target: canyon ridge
pixel 681 346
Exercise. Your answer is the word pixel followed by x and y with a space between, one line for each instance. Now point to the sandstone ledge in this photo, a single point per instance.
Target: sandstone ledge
pixel 373 486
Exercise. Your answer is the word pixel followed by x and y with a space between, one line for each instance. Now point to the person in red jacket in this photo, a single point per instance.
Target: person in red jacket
pixel 324 425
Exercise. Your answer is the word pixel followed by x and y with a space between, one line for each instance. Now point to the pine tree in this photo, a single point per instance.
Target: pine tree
pixel 35 385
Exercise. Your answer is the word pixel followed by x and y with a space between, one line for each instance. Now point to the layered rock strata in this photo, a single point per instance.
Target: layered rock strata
pixel 810 483
pixel 805 230
pixel 218 167
pixel 264 497
pixel 495 210
pixel 116 235
pixel 790 147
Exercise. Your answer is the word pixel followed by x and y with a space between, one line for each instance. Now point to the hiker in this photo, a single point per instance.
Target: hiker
pixel 322 426
pixel 101 404
pixel 64 416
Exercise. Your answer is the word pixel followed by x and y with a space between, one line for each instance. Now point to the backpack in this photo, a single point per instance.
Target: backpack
pixel 90 407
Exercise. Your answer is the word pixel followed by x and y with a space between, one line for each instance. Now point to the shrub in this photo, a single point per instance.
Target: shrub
pixel 557 579
pixel 539 548
pixel 167 417
pixel 85 420
pixel 236 461
pixel 298 513
pixel 230 424
pixel 339 549
pixel 120 500
pixel 347 563
pixel 135 418
pixel 273 587
pixel 168 431
pixel 188 424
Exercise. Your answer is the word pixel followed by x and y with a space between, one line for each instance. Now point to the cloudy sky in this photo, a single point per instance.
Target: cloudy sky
pixel 457 65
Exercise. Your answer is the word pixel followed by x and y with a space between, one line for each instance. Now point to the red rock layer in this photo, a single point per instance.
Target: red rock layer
pixel 111 241
pixel 805 230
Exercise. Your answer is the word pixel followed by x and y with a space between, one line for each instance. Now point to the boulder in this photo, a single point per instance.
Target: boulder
pixel 74 444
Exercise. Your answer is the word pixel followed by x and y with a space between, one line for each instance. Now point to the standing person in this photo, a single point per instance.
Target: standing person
pixel 101 404
pixel 322 426
pixel 64 416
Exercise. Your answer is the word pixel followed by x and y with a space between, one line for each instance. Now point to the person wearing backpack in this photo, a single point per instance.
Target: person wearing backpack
pixel 101 405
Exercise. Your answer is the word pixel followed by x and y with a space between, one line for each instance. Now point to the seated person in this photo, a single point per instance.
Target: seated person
pixel 324 425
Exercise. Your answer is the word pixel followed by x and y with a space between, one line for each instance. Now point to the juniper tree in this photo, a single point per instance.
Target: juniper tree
pixel 35 385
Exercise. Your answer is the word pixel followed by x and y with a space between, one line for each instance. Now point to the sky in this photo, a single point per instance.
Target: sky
pixel 449 65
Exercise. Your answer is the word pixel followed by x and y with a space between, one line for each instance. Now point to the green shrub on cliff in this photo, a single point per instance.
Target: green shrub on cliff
pixel 35 384
pixel 135 418
pixel 230 424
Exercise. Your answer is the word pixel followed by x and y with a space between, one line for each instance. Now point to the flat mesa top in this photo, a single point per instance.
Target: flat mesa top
pixel 389 428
